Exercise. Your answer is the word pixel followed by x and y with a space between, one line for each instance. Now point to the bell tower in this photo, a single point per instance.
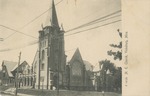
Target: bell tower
pixel 52 58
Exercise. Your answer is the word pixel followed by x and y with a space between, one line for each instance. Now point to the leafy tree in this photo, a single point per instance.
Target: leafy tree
pixel 107 64
pixel 118 54
pixel 116 72
pixel 118 79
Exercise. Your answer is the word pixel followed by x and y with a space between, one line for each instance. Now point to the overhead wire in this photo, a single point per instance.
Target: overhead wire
pixel 17 31
pixel 101 20
pixel 32 21
pixel 74 33
pixel 40 15
pixel 9 49
pixel 83 25
pixel 93 21
pixel 65 32
pixel 93 28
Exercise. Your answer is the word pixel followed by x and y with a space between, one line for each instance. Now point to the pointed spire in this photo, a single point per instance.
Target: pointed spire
pixel 54 20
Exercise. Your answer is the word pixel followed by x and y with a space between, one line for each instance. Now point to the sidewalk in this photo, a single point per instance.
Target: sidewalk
pixel 11 91
pixel 20 94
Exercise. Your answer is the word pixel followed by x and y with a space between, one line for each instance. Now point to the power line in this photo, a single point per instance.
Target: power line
pixel 32 20
pixel 67 35
pixel 94 23
pixel 40 15
pixel 29 44
pixel 89 15
pixel 101 20
pixel 17 31
pixel 87 24
pixel 79 27
pixel 93 28
pixel 10 35
pixel 94 20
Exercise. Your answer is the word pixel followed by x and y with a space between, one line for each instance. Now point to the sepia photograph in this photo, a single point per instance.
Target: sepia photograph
pixel 61 48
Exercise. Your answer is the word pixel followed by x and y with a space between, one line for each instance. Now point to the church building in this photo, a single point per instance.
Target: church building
pixel 79 73
pixel 50 67
pixel 50 59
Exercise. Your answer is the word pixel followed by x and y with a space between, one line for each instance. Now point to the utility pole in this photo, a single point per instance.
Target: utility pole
pixel 17 75
pixel 48 57
pixel 39 72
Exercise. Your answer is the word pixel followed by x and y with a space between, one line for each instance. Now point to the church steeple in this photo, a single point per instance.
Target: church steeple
pixel 54 20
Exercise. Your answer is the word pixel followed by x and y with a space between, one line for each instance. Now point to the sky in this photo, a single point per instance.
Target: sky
pixel 93 44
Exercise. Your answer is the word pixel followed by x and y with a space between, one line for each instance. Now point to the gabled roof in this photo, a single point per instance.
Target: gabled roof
pixel 9 65
pixel 76 56
pixel 23 63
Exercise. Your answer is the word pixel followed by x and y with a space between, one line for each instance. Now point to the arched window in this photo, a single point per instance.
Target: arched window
pixel 43 55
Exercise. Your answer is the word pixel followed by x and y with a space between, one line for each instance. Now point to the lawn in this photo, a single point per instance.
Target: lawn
pixel 35 92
